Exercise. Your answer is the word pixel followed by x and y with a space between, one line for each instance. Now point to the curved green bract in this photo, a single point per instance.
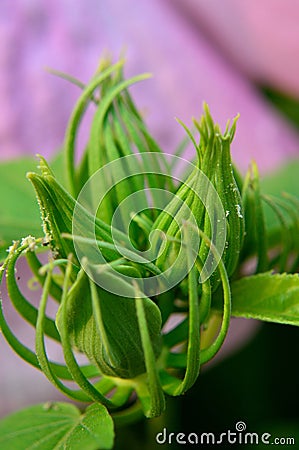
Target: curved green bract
pixel 70 359
pixel 41 351
pixel 25 308
pixel 74 123
pixel 28 355
pixel 154 405
pixel 35 266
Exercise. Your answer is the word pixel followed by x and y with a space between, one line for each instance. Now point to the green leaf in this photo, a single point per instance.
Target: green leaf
pixel 57 165
pixel 267 296
pixel 19 214
pixel 283 179
pixel 57 426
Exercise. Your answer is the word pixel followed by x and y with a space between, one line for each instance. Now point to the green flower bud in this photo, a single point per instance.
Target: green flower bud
pixel 221 174
pixel 120 331
pixel 101 325
pixel 196 197
pixel 105 327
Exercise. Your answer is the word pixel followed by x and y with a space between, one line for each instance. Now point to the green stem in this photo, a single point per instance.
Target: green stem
pixel 156 404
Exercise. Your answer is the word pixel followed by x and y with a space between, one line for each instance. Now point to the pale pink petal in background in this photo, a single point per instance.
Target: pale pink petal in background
pixel 259 37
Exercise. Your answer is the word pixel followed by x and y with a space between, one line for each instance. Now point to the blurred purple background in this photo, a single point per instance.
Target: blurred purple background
pixel 196 50
pixel 212 50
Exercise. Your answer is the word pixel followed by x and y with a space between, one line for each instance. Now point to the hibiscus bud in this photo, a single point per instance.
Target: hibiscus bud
pixel 211 198
pixel 105 327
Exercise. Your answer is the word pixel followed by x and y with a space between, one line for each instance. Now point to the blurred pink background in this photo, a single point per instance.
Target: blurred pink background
pixel 197 50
